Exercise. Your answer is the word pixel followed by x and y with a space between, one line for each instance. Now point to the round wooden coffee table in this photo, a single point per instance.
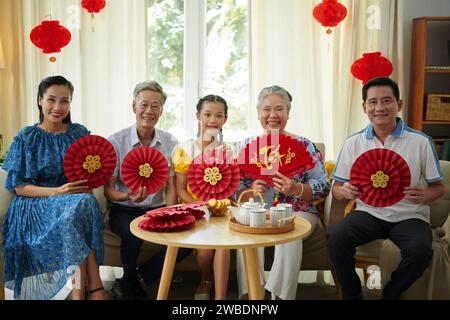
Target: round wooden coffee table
pixel 214 233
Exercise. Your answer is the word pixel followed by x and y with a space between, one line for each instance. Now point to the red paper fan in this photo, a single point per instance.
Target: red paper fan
pixel 90 158
pixel 264 156
pixel 145 166
pixel 193 205
pixel 197 213
pixel 179 209
pixel 381 175
pixel 168 223
pixel 213 174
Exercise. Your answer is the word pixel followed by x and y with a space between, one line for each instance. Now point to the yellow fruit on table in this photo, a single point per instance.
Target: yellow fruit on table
pixel 212 203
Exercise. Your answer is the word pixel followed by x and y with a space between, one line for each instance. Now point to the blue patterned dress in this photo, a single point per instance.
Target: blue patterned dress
pixel 46 238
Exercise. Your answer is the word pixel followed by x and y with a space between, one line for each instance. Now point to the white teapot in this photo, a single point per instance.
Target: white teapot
pixel 243 214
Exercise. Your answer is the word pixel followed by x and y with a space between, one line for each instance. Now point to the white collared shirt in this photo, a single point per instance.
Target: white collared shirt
pixel 127 139
pixel 416 148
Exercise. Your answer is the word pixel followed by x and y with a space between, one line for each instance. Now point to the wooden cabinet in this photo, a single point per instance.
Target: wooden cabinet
pixel 430 74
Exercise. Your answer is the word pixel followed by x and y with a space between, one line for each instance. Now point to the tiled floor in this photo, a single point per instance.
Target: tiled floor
pixel 312 286
pixel 185 284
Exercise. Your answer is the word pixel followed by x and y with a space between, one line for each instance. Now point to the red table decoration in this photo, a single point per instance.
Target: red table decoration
pixel 329 13
pixel 213 174
pixel 93 6
pixel 175 221
pixel 190 208
pixel 50 36
pixel 381 176
pixel 192 205
pixel 265 155
pixel 173 218
pixel 91 158
pixel 371 65
pixel 145 167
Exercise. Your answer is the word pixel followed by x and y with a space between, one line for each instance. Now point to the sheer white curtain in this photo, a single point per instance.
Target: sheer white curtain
pixel 12 108
pixel 371 25
pixel 104 65
pixel 289 48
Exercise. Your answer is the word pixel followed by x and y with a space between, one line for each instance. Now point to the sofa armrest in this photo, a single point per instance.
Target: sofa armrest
pixel 446 230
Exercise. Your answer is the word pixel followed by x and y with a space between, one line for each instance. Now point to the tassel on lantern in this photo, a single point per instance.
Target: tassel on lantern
pixel 329 13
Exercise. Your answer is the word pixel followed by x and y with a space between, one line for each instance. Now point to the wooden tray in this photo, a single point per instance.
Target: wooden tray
pixel 268 229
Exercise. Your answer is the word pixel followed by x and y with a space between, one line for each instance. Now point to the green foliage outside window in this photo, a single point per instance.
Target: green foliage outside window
pixel 226 20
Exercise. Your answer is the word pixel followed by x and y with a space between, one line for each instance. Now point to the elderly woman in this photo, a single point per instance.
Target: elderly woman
pixel 148 103
pixel 274 105
pixel 52 227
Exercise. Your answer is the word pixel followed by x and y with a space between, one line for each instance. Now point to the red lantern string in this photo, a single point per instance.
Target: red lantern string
pixel 93 6
pixel 370 66
pixel 50 36
pixel 329 13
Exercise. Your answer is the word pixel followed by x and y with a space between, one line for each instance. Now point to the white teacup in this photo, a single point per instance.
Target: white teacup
pixel 288 207
pixel 276 214
pixel 257 217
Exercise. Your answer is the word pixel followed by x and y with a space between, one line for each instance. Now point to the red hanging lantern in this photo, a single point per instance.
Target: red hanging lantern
pixel 329 13
pixel 50 36
pixel 370 66
pixel 93 6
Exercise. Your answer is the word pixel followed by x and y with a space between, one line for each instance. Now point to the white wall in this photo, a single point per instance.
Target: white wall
pixel 415 9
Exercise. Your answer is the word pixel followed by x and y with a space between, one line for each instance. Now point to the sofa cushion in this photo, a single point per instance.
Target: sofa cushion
pixel 441 207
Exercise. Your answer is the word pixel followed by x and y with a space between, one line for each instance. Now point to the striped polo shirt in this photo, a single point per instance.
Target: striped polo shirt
pixel 416 148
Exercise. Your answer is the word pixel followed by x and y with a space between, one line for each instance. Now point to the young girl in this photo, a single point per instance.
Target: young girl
pixel 212 112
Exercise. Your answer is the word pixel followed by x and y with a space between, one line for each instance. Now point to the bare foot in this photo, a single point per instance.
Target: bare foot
pixel 203 290
pixel 78 294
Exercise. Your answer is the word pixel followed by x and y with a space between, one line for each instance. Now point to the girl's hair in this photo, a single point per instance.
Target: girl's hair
pixel 47 83
pixel 212 98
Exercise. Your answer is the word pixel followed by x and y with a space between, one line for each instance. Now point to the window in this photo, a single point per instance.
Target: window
pixel 199 47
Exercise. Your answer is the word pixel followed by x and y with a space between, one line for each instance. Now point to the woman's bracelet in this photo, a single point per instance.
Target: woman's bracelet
pixel 301 192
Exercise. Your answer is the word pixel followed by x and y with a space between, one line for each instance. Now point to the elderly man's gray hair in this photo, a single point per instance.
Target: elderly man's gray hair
pixel 280 91
pixel 150 86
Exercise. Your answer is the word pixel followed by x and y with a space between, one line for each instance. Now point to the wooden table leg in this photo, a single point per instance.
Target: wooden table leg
pixel 252 271
pixel 167 272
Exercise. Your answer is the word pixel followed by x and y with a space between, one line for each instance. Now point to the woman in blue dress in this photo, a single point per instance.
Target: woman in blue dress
pixel 53 230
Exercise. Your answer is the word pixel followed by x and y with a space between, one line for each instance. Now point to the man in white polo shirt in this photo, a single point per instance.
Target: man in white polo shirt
pixel 406 222
pixel 148 102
